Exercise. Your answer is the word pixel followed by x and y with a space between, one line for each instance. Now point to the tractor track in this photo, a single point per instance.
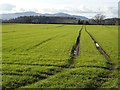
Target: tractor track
pixel 61 66
pixel 34 64
pixel 76 48
pixel 44 41
pixel 72 56
pixel 36 33
pixel 98 47
pixel 35 78
pixel 101 78
pixel 102 51
pixel 74 52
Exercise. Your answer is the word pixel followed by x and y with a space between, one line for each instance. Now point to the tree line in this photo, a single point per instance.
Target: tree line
pixel 98 19
pixel 41 20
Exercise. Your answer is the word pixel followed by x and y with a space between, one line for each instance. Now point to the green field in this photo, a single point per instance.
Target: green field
pixel 39 56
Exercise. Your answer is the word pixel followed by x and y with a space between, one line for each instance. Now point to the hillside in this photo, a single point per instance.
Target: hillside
pixel 41 19
pixel 15 15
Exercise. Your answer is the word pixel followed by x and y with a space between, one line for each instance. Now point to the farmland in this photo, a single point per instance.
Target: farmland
pixel 39 56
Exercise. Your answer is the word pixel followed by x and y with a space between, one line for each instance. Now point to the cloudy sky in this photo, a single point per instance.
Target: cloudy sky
pixel 87 8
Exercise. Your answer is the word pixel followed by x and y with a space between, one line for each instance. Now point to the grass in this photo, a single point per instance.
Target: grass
pixel 107 37
pixel 89 55
pixel 70 78
pixel 38 56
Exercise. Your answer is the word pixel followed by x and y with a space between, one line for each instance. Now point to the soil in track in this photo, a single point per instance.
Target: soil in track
pixel 75 50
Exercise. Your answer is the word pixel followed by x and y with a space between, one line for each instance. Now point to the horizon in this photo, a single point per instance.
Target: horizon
pixel 86 8
pixel 55 13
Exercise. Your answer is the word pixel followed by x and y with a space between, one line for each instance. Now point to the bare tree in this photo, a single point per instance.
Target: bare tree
pixel 99 18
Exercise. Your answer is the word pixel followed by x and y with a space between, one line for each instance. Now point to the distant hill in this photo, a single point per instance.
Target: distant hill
pixel 42 20
pixel 66 15
pixel 15 15
pixel 57 14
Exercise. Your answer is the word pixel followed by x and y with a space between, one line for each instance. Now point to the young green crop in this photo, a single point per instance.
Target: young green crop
pixel 39 55
pixel 107 37
pixel 71 78
pixel 36 47
pixel 45 45
pixel 89 67
pixel 89 55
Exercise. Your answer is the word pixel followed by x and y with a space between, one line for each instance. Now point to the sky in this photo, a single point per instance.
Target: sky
pixel 88 8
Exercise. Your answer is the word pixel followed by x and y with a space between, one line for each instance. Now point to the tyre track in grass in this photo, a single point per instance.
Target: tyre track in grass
pixel 32 64
pixel 102 77
pixel 14 85
pixel 100 49
pixel 38 44
pixel 35 78
pixel 61 66
pixel 26 35
pixel 44 41
pixel 76 48
pixel 74 52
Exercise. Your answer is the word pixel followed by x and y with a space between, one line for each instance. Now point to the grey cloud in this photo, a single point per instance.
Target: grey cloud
pixel 7 7
pixel 50 10
pixel 22 9
pixel 73 10
pixel 82 12
pixel 86 11
pixel 119 9
pixel 112 11
pixel 28 10
pixel 33 9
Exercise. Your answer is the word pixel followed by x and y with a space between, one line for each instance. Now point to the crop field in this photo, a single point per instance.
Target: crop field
pixel 40 56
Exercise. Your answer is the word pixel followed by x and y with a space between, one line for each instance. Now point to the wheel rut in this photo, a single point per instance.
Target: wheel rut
pixel 38 44
pixel 75 51
pixel 100 49
pixel 101 78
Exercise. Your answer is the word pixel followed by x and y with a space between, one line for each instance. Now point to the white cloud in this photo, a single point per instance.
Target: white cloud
pixel 87 8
